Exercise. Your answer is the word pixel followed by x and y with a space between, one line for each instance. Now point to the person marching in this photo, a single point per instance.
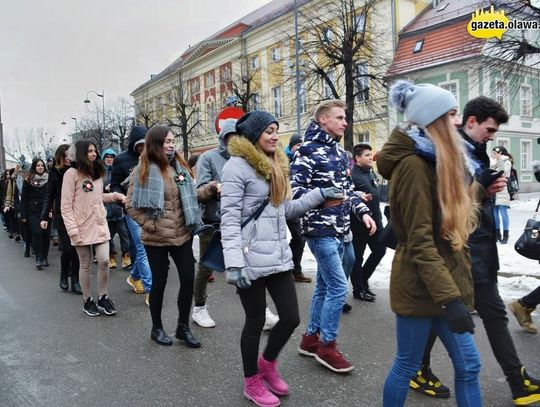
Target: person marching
pixel 433 213
pixel 32 197
pixel 85 219
pixel 162 199
pixel 257 256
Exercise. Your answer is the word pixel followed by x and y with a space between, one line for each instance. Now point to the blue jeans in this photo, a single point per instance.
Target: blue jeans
pixel 348 258
pixel 412 334
pixel 140 269
pixel 330 290
pixel 501 210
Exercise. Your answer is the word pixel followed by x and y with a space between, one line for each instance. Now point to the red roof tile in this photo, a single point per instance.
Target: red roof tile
pixel 445 43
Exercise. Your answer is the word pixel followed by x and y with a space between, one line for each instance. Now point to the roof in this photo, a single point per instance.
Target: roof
pixel 255 19
pixel 444 35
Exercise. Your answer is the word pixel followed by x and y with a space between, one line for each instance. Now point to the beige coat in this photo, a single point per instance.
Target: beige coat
pixel 83 212
pixel 170 229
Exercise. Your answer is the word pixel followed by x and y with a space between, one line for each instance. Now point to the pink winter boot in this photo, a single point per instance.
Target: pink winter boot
pixel 255 390
pixel 271 377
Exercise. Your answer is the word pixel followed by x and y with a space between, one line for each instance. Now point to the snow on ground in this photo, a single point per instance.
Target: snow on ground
pixel 518 275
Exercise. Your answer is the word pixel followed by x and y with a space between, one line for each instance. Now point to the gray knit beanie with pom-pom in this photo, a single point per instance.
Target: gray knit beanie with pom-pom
pixel 422 103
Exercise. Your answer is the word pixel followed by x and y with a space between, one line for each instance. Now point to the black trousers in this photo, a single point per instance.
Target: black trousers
pixel 69 260
pixel 281 288
pixel 297 243
pixel 361 271
pixel 158 258
pixel 492 311
pixel 40 237
pixel 532 299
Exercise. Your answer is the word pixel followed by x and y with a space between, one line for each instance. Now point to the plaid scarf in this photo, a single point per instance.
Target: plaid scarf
pixel 151 196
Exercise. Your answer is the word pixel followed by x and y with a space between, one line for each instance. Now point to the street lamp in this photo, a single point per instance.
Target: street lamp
pixel 72 118
pixel 297 73
pixel 102 96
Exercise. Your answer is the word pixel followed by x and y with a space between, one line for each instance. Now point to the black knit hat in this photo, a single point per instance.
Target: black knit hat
pixel 295 139
pixel 252 124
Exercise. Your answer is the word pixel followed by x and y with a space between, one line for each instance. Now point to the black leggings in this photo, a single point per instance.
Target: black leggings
pixel 40 237
pixel 158 258
pixel 282 290
pixel 69 260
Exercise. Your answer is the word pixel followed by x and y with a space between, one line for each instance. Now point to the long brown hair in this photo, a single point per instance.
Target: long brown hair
pixel 32 171
pixel 94 169
pixel 458 209
pixel 153 153
pixel 60 156
pixel 280 186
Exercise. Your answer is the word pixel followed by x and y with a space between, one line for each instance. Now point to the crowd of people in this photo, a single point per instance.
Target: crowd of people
pixel 445 198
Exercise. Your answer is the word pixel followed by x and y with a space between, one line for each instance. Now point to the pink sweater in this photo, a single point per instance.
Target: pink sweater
pixel 83 212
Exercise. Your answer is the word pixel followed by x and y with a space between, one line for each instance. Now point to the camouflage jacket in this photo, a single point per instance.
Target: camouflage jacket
pixel 322 162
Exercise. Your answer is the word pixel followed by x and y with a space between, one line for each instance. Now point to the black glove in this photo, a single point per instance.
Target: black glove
pixel 487 177
pixel 458 317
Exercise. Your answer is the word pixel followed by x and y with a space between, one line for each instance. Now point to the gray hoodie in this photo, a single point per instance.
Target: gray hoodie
pixel 209 167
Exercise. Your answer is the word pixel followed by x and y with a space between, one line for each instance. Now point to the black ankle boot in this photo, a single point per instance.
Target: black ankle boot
pixel 184 334
pixel 76 287
pixel 498 235
pixel 64 283
pixel 39 264
pixel 159 335
pixel 505 237
pixel 27 251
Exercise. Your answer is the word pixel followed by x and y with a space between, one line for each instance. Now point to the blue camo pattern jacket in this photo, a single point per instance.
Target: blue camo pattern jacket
pixel 322 162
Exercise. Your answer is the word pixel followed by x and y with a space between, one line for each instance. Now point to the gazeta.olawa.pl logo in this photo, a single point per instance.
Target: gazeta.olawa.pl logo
pixel 490 23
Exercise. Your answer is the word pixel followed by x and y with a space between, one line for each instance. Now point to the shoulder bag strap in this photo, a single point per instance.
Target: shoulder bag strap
pixel 536 211
pixel 255 215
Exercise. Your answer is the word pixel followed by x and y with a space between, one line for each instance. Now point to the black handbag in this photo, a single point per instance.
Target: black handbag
pixel 528 244
pixel 213 256
pixel 388 237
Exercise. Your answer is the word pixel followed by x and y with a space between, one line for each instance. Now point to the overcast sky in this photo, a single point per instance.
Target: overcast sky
pixel 53 51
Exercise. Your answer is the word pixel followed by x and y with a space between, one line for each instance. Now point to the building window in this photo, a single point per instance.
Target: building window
pixel 276 97
pixel 195 86
pixel 526 155
pixel 452 87
pixel 328 35
pixel 276 54
pixel 196 119
pixel 362 137
pixel 210 79
pixel 302 95
pixel 255 62
pixel 525 101
pixel 210 114
pixel 226 73
pixel 360 22
pixel 301 44
pixel 504 142
pixel 362 82
pixel 418 46
pixel 501 93
pixel 256 98
pixel 327 89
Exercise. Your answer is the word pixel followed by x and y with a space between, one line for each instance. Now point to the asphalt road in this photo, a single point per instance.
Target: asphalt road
pixel 51 354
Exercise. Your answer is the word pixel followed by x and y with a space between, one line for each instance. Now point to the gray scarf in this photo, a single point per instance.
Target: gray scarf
pixel 151 196
pixel 39 180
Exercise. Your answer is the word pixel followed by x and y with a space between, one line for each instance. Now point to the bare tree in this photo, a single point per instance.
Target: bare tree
pixel 243 84
pixel 342 56
pixel 32 143
pixel 145 113
pixel 121 122
pixel 184 117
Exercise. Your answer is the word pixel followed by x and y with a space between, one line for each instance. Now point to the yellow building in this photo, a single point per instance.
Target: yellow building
pixel 251 63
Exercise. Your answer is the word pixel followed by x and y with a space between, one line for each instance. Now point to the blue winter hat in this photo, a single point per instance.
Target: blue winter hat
pixel 108 151
pixel 252 124
pixel 422 103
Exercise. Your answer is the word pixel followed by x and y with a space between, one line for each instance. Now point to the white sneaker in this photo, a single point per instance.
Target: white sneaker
pixel 270 321
pixel 201 317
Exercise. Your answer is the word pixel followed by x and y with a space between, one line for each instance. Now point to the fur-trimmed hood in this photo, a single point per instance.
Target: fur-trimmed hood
pixel 241 147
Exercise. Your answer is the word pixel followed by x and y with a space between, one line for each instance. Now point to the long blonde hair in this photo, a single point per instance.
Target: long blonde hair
pixel 459 211
pixel 280 187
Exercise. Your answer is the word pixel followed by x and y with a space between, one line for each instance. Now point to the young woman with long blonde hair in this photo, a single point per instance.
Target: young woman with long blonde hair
pixel 433 213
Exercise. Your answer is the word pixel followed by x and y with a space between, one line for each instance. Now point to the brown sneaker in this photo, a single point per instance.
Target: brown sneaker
pixel 328 356
pixel 523 316
pixel 309 344
pixel 301 278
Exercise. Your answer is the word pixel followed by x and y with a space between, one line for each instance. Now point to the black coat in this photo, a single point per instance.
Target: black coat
pixel 54 193
pixel 124 162
pixel 364 180
pixel 483 242
pixel 32 198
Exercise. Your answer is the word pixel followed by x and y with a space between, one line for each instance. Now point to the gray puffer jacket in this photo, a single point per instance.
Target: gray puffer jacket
pixel 261 247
